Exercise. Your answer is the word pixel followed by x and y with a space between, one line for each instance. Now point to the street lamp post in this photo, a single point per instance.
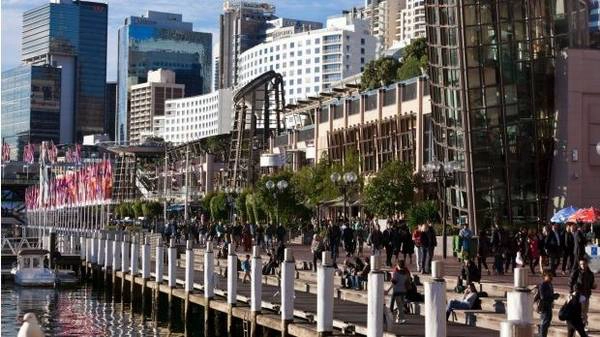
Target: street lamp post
pixel 442 172
pixel 344 182
pixel 276 188
pixel 230 192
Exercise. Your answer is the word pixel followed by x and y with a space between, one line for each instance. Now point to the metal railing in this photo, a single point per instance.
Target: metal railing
pixel 14 245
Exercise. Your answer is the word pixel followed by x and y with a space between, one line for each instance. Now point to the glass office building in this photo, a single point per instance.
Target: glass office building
pixel 30 106
pixel 491 66
pixel 72 35
pixel 161 40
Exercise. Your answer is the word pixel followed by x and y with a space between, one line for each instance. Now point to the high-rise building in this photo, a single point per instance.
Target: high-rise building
pixel 71 35
pixel 110 109
pixel 30 106
pixel 216 73
pixel 148 100
pixel 310 61
pixel 160 40
pixel 243 25
pixel 491 68
pixel 190 118
pixel 410 22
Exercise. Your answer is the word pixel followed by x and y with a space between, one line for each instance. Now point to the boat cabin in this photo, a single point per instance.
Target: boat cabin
pixel 32 259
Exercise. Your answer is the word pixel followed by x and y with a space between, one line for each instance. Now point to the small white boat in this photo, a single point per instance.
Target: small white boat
pixel 31 270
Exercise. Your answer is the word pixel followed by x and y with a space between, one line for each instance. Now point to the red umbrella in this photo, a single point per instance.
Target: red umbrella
pixel 587 215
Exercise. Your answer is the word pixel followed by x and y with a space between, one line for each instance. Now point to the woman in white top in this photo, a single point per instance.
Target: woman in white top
pixel 467 303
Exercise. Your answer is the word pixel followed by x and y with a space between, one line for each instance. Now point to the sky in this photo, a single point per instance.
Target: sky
pixel 204 14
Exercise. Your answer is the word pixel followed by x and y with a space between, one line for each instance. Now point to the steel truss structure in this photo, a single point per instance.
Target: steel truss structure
pixel 258 107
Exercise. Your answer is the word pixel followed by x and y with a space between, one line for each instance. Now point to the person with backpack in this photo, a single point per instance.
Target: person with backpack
pixel 582 279
pixel 571 312
pixel 545 301
pixel 400 278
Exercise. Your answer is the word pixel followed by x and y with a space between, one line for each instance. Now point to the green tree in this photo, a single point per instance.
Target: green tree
pixel 391 190
pixel 218 207
pixel 287 204
pixel 152 209
pixel 422 212
pixel 136 208
pixel 379 72
pixel 410 68
pixel 240 206
pixel 417 48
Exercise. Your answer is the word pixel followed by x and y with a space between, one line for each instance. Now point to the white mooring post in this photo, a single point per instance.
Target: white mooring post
pixel 82 246
pixel 94 247
pixel 209 271
pixel 232 277
pixel 135 255
pixel 108 258
pixel 287 290
pixel 172 252
pixel 101 248
pixel 146 257
pixel 519 308
pixel 376 299
pixel 325 296
pixel 116 252
pixel 125 248
pixel 72 244
pixel 435 302
pixel 189 267
pixel 256 281
pixel 159 267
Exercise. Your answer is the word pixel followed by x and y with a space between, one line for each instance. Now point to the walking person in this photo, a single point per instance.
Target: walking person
pixel 568 252
pixel 246 269
pixel 423 249
pixel 582 280
pixel 399 279
pixel 553 246
pixel 432 243
pixel 498 242
pixel 572 314
pixel 533 242
pixel 483 251
pixel 465 234
pixel 545 298
pixel 317 247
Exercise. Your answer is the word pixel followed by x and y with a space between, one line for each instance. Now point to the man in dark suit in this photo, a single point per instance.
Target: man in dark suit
pixel 552 244
pixel 568 256
pixel 579 243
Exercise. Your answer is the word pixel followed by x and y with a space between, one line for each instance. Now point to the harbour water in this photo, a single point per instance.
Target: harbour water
pixel 81 311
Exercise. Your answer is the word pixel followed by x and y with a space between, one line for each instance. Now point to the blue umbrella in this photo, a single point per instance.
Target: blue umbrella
pixel 563 215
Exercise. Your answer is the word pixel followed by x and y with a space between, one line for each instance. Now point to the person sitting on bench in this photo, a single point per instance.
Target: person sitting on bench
pixel 469 273
pixel 467 303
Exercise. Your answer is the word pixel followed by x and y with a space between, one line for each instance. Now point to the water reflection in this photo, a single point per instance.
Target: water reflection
pixel 75 312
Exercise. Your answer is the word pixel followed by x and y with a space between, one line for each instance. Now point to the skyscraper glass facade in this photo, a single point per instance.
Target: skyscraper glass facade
pixel 30 106
pixel 72 35
pixel 161 40
pixel 491 66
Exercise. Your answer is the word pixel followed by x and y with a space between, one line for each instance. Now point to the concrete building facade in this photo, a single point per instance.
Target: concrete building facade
pixel 311 61
pixel 148 100
pixel 576 163
pixel 192 118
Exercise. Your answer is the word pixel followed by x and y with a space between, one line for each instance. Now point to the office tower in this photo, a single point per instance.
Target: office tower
pixel 491 67
pixel 216 73
pixel 30 106
pixel 160 40
pixel 310 61
pixel 71 35
pixel 147 100
pixel 243 25
pixel 190 118
pixel 110 109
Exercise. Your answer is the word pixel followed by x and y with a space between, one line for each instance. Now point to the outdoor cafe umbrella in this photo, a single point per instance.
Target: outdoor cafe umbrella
pixel 586 215
pixel 563 215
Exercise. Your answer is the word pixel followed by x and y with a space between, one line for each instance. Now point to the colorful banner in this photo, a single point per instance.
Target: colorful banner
pixel 5 152
pixel 90 184
pixel 28 154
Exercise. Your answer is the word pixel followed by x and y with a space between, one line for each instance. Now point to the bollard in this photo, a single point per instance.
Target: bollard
pixel 135 252
pixel 82 247
pixel 232 277
pixel 325 296
pixel 376 300
pixel 255 289
pixel 125 247
pixel 519 308
pixel 101 248
pixel 72 244
pixel 209 286
pixel 88 250
pixel 116 253
pixel 287 291
pixel 146 256
pixel 209 271
pixel 435 302
pixel 94 248
pixel 189 267
pixel 108 258
pixel 160 261
pixel 172 252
